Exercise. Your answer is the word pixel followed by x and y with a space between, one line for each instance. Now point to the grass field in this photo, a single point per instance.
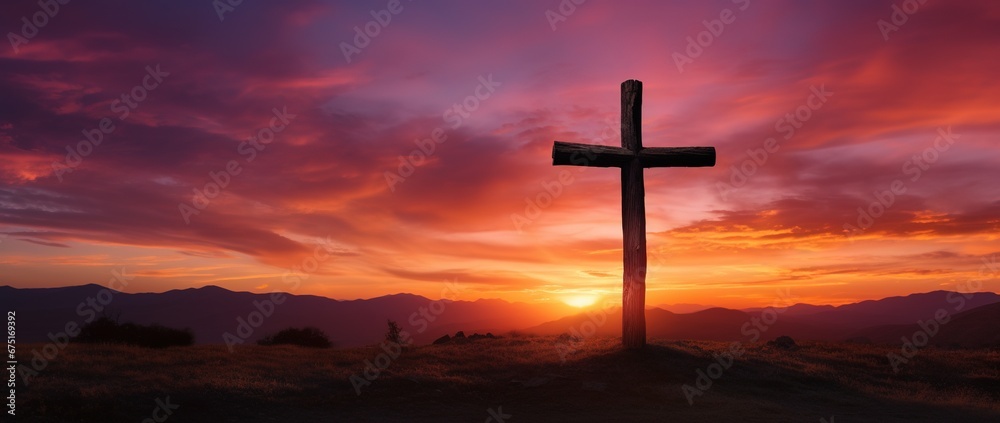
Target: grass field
pixel 515 379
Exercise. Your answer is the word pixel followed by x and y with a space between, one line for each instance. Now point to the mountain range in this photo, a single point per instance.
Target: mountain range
pixel 212 312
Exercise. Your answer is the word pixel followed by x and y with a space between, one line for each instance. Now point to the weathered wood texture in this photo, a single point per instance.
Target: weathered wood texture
pixel 632 158
pixel 575 154
pixel 633 221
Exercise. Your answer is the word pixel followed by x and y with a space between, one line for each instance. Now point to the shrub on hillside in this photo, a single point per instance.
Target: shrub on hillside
pixel 393 335
pixel 105 330
pixel 305 337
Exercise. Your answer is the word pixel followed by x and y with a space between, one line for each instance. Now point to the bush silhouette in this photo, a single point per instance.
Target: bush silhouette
pixel 305 337
pixel 393 335
pixel 104 330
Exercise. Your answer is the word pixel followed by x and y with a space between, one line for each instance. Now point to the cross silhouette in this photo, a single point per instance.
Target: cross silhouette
pixel 632 157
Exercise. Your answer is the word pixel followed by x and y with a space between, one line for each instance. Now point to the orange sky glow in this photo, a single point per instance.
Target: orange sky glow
pixel 318 211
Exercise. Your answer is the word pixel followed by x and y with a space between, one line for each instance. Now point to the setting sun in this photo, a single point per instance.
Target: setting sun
pixel 557 210
pixel 580 301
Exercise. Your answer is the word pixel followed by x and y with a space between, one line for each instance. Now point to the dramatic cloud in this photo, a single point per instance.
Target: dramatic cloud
pixel 853 161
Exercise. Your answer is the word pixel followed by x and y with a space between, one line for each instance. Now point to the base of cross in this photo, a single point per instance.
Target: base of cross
pixel 632 158
pixel 634 312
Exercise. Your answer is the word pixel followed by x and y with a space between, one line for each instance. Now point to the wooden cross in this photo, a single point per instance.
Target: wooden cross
pixel 632 157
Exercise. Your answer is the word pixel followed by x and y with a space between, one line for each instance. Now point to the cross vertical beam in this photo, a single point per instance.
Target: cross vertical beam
pixel 633 221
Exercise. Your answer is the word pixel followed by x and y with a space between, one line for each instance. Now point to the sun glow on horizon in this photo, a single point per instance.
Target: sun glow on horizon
pixel 581 301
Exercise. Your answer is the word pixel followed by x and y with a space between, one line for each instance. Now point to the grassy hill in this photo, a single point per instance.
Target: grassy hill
pixel 521 377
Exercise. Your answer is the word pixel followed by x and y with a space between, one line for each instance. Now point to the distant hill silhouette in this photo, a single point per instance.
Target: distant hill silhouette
pixel 211 311
pixel 882 320
pixel 683 307
pixel 977 327
pixel 905 310
pixel 797 309
pixel 714 324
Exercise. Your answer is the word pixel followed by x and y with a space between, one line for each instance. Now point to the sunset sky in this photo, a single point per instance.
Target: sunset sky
pixel 321 182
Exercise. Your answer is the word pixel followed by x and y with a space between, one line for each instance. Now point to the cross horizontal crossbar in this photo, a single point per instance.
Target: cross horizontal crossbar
pixel 576 154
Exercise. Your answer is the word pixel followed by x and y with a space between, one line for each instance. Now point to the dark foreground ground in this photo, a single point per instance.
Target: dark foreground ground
pixel 515 379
